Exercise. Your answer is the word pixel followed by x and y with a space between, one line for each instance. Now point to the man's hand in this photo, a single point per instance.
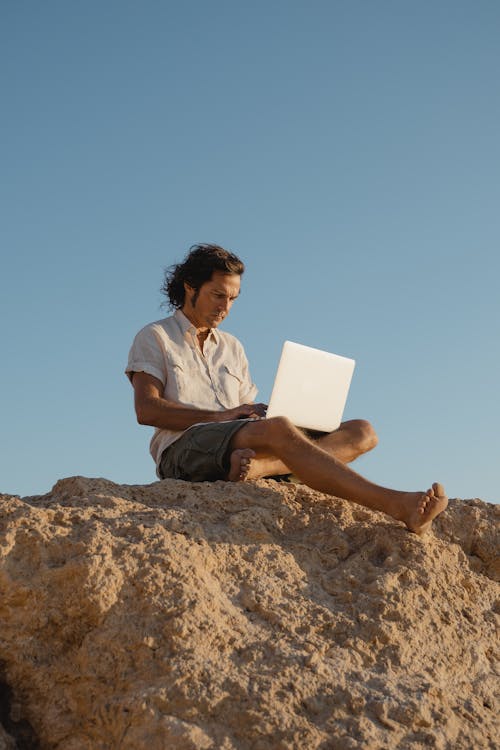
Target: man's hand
pixel 246 411
pixel 153 409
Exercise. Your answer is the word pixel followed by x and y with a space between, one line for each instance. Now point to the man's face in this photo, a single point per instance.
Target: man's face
pixel 208 307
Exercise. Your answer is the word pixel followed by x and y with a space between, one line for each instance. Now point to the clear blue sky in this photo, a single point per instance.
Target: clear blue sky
pixel 347 151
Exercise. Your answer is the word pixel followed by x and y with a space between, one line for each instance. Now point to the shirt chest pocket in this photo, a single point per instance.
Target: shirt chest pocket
pixel 183 383
pixel 205 387
pixel 230 381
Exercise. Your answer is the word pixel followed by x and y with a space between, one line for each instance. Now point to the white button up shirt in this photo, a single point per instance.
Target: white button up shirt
pixel 216 379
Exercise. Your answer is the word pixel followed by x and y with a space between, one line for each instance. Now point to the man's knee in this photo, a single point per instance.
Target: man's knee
pixel 362 434
pixel 265 434
pixel 279 427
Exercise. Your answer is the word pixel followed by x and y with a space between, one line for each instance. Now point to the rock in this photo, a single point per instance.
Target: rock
pixel 15 732
pixel 7 742
pixel 257 616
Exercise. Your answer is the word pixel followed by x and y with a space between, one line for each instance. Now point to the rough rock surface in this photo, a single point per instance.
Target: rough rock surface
pixel 255 616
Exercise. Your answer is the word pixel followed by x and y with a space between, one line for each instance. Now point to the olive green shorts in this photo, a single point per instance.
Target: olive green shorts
pixel 202 452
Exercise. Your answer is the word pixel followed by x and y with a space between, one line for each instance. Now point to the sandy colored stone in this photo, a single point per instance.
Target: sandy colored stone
pixel 7 742
pixel 256 616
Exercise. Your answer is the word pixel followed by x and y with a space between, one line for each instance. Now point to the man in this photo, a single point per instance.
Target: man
pixel 192 383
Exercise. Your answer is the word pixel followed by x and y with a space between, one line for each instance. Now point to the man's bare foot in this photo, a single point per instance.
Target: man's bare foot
pixel 423 508
pixel 239 464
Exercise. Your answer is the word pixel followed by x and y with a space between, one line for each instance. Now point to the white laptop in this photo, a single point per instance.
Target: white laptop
pixel 311 387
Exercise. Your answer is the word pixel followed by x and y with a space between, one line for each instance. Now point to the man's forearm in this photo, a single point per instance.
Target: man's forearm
pixel 168 415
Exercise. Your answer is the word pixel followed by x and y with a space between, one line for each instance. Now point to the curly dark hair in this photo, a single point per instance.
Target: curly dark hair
pixel 197 268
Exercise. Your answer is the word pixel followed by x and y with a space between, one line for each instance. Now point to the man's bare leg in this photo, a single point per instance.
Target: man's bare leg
pixel 323 472
pixel 351 440
pixel 348 442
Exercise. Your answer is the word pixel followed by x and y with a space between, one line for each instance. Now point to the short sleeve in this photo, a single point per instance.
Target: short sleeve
pixel 147 355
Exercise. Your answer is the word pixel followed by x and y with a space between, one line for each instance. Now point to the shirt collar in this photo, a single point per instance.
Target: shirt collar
pixel 186 326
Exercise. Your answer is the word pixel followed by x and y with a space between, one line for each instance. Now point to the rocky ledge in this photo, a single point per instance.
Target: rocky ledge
pixel 256 616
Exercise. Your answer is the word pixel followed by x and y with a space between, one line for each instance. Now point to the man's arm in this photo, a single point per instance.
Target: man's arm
pixel 154 410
